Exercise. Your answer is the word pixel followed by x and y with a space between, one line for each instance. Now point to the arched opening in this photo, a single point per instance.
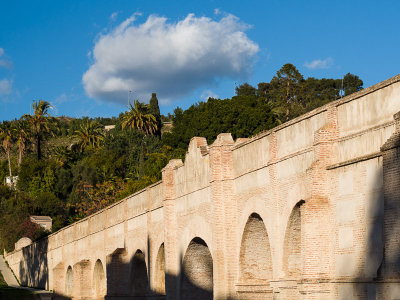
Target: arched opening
pixel 99 280
pixel 83 279
pixel 69 282
pixel 255 252
pixel 59 278
pixel 197 272
pixel 117 273
pixel 159 275
pixel 292 260
pixel 139 274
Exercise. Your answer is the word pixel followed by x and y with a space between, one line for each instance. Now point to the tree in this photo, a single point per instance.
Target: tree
pixel 22 136
pixel 63 155
pixel 245 89
pixel 155 111
pixel 137 118
pixel 263 89
pixel 40 123
pixel 351 83
pixel 94 198
pixel 90 134
pixel 7 139
pixel 288 79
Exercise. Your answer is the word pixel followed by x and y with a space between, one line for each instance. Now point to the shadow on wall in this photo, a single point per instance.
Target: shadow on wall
pixel 33 269
pixel 382 249
pixel 128 277
pixel 368 271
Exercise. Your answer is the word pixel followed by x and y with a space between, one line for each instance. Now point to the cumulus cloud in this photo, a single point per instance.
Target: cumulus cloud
pixel 319 63
pixel 172 59
pixel 5 86
pixel 4 62
pixel 208 94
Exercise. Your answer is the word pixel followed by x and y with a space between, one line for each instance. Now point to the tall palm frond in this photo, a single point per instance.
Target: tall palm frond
pixel 7 138
pixel 22 132
pixel 90 134
pixel 137 118
pixel 40 122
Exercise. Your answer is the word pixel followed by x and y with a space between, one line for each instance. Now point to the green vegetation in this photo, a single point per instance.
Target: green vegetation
pixel 7 292
pixel 253 110
pixel 2 281
pixel 69 168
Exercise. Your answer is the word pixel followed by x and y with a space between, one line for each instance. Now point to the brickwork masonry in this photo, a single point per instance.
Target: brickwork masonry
pixel 307 210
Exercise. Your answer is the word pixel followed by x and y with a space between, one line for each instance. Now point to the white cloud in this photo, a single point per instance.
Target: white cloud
pixel 320 63
pixel 113 16
pixel 61 98
pixel 5 86
pixel 5 63
pixel 208 94
pixel 172 59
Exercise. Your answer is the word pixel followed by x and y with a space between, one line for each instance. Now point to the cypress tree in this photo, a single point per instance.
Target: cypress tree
pixel 155 111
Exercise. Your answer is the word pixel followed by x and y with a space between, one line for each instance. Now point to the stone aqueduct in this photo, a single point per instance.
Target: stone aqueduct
pixel 307 210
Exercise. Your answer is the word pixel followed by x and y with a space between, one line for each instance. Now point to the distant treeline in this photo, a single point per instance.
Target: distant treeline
pixel 253 110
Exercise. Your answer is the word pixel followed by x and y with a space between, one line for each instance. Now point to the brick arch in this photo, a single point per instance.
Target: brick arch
pixel 99 280
pixel 257 205
pixel 139 277
pixel 197 271
pixel 292 256
pixel 159 271
pixel 196 227
pixel 255 259
pixel 69 281
pixel 59 274
pixel 117 273
pixel 83 279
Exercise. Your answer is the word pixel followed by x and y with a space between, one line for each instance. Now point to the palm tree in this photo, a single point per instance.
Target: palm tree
pixel 90 134
pixel 40 123
pixel 22 137
pixel 7 139
pixel 137 118
pixel 63 155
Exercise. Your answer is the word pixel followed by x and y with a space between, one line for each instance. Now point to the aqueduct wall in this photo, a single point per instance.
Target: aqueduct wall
pixel 307 210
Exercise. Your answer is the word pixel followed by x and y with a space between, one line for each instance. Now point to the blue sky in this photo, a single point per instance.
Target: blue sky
pixel 85 56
